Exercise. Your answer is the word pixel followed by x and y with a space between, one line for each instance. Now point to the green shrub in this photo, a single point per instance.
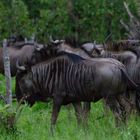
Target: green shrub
pixel 9 116
pixel 84 20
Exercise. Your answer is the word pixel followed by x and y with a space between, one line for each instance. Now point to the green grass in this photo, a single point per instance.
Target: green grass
pixel 34 124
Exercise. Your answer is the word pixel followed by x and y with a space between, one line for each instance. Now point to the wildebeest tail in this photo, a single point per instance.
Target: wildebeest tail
pixel 133 86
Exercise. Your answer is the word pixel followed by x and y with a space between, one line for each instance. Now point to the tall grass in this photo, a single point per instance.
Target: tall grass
pixel 34 124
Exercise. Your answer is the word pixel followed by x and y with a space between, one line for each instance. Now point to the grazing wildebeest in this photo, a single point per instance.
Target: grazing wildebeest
pixel 69 78
pixel 22 52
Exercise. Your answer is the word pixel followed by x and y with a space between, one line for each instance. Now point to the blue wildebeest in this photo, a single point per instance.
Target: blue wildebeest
pixel 59 46
pixel 17 50
pixel 69 78
pixel 126 53
pixel 129 57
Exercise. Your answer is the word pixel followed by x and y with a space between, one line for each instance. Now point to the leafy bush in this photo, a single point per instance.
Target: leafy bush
pixel 14 19
pixel 83 20
pixel 9 116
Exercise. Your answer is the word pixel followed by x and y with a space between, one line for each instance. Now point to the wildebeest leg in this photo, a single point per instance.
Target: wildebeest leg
pixel 57 102
pixel 78 111
pixel 117 109
pixel 105 108
pixel 127 104
pixel 69 108
pixel 86 111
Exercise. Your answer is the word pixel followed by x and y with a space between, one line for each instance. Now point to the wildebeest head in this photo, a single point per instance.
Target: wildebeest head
pixel 38 54
pixel 57 47
pixel 45 52
pixel 24 85
pixel 85 50
pixel 93 48
pixel 64 46
pixel 41 53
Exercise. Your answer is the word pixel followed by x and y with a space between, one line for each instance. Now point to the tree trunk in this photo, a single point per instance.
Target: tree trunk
pixel 7 72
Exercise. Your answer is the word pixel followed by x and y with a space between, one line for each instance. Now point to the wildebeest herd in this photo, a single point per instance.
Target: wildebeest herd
pixel 65 74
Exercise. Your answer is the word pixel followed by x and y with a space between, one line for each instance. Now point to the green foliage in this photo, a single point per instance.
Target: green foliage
pixel 53 20
pixel 14 19
pixel 83 20
pixel 8 117
pixel 8 114
pixel 3 82
pixel 137 5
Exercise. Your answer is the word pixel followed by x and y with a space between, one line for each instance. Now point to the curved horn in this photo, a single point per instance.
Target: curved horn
pixel 39 47
pixel 25 40
pixel 51 40
pixel 96 49
pixel 108 37
pixel 22 68
pixel 62 41
pixel 56 41
pixel 94 44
